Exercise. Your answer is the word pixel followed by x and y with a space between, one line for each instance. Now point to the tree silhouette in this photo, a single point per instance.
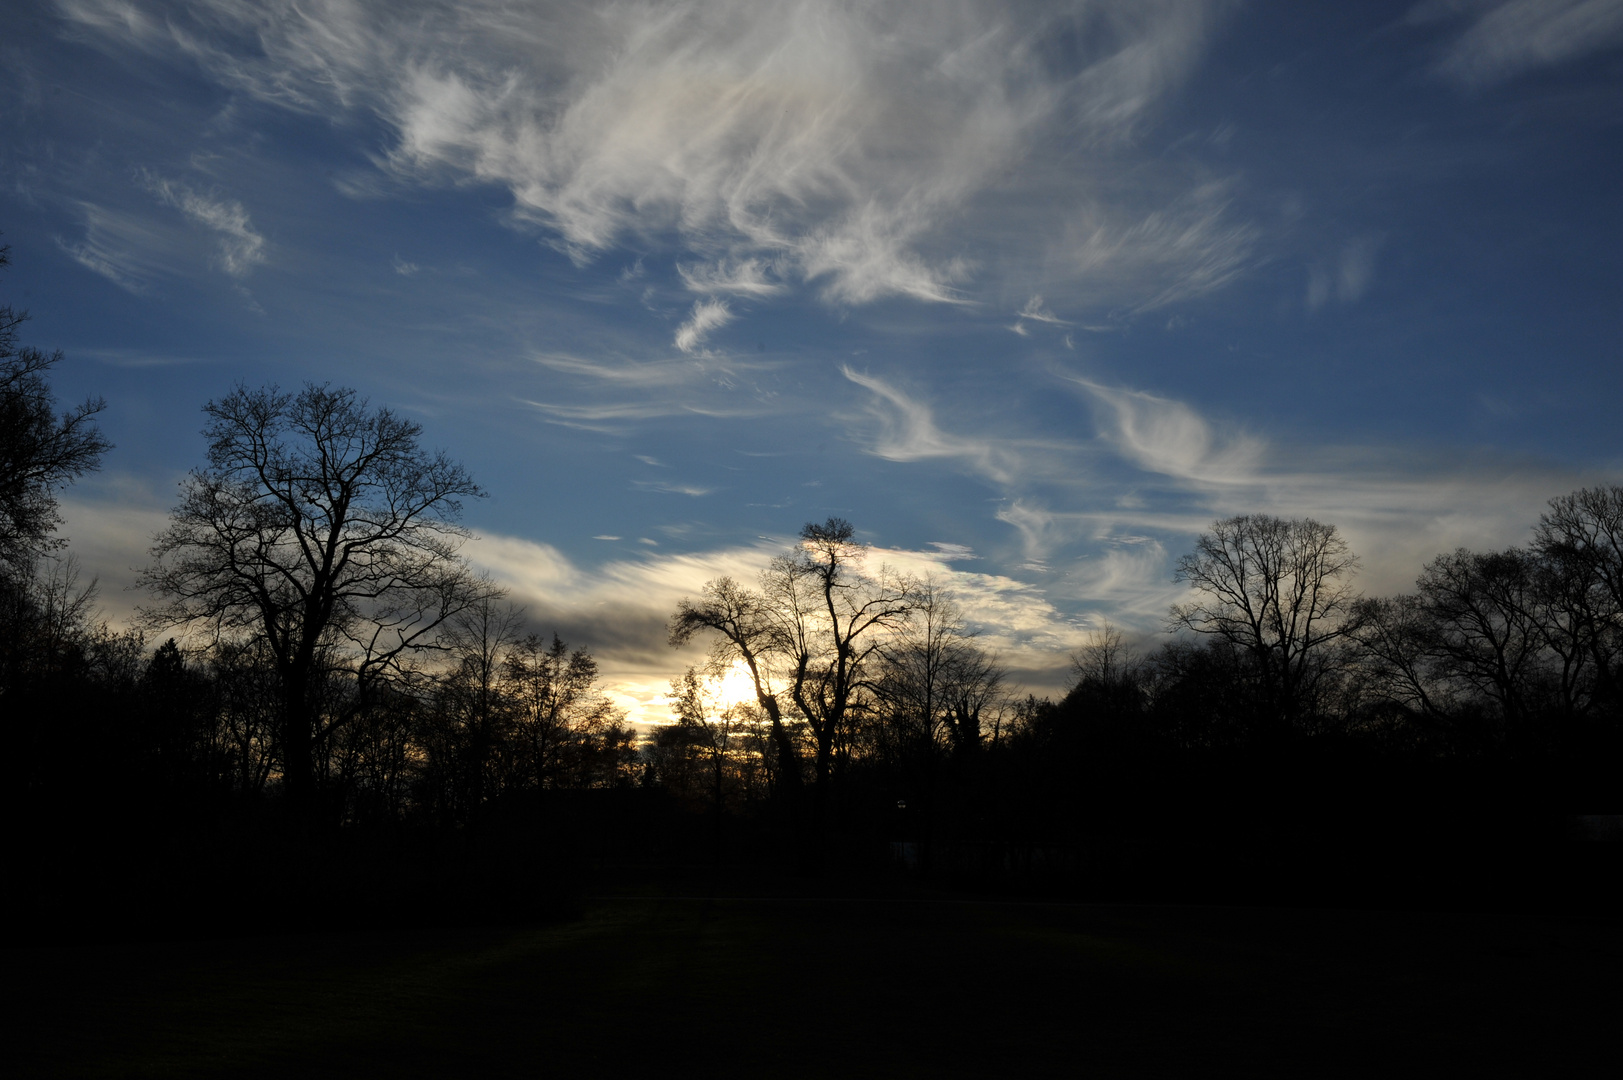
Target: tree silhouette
pixel 41 451
pixel 746 629
pixel 557 711
pixel 813 631
pixel 1277 589
pixel 1582 535
pixel 937 683
pixel 832 619
pixel 324 526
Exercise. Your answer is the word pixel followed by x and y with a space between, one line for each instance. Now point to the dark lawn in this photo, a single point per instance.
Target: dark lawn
pixel 809 987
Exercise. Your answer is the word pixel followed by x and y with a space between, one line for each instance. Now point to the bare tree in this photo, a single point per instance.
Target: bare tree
pixel 41 451
pixel 325 526
pixel 832 618
pixel 1487 634
pixel 471 693
pixel 938 682
pixel 245 674
pixel 707 727
pixel 1112 681
pixel 1581 535
pixel 812 630
pixel 1397 638
pixel 1277 589
pixel 746 629
pixel 557 709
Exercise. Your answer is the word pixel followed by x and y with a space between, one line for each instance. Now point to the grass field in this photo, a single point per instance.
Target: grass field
pixel 784 986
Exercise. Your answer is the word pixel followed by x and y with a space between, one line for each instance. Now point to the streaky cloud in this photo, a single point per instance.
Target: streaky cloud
pixel 748 277
pixel 1186 248
pixel 908 432
pixel 671 488
pixel 1169 437
pixel 707 316
pixel 127 249
pixel 1508 37
pixel 241 248
pixel 772 140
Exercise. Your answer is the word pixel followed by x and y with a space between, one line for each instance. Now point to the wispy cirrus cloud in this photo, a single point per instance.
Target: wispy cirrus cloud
pixel 127 249
pixel 241 248
pixel 1507 37
pixel 747 277
pixel 670 487
pixel 706 316
pixel 1035 311
pixel 907 431
pixel 1186 247
pixel 1347 278
pixel 1169 437
pixel 133 249
pixel 770 142
pixel 616 416
pixel 647 374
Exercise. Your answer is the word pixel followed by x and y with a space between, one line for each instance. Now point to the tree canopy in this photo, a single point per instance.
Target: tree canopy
pixel 325 526
pixel 41 450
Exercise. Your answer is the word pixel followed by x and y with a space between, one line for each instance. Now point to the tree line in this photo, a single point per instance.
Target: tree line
pixel 322 696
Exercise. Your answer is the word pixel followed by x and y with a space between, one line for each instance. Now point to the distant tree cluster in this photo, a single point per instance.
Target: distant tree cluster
pixel 1280 684
pixel 342 669
pixel 1510 653
pixel 343 657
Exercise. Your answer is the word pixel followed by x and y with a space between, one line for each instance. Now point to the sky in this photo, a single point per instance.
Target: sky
pixel 1031 293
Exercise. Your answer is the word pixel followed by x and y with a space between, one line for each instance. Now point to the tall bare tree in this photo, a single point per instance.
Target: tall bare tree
pixel 1487 632
pixel 938 682
pixel 813 630
pixel 41 450
pixel 325 526
pixel 745 628
pixel 833 616
pixel 1278 589
pixel 560 716
pixel 471 695
pixel 1581 537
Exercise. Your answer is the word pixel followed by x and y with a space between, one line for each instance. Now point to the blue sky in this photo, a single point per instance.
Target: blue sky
pixel 1030 293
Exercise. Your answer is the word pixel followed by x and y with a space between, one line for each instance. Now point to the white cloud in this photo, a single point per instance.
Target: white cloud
pixel 1169 437
pixel 908 432
pixel 707 315
pixel 1015 619
pixel 643 374
pixel 1183 248
pixel 671 488
pixel 126 249
pixel 843 145
pixel 1357 269
pixel 1508 37
pixel 614 416
pixel 241 248
pixel 749 277
pixel 1035 310
pixel 1128 585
